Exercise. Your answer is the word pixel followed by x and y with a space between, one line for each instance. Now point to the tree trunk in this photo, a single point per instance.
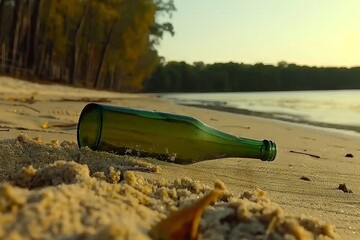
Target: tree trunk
pixel 112 78
pixel 34 32
pixel 28 35
pixel 104 51
pixel 101 64
pixel 14 36
pixel 88 62
pixel 22 44
pixel 3 56
pixel 2 45
pixel 76 46
pixel 1 19
pixel 118 79
pixel 42 47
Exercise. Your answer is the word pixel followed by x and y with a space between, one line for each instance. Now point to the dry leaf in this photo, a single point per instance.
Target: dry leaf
pixel 45 125
pixel 184 223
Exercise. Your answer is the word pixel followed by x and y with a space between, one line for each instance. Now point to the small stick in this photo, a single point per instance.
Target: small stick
pixel 309 154
pixel 84 100
pixel 4 130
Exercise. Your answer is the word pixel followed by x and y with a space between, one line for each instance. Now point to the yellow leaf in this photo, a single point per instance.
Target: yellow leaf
pixel 45 125
pixel 184 223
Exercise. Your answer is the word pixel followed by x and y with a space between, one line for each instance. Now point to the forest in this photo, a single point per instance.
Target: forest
pixel 112 44
pixel 240 77
pixel 107 44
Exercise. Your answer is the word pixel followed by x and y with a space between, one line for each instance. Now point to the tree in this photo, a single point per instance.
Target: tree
pixel 163 9
pixel 2 3
pixel 14 35
pixel 75 44
pixel 93 43
pixel 34 34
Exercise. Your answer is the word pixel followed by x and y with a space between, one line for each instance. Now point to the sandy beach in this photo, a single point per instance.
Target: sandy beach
pixel 50 188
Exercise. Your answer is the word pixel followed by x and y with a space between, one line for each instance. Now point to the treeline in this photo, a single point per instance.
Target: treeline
pixel 235 77
pixel 94 43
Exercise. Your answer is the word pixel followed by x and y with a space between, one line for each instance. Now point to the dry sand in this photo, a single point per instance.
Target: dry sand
pixel 51 189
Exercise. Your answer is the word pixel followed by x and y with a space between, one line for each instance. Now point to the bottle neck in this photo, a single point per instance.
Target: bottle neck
pixel 249 148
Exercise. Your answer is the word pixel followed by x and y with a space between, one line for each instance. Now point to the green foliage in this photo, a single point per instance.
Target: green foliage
pixel 95 43
pixel 235 77
pixel 163 8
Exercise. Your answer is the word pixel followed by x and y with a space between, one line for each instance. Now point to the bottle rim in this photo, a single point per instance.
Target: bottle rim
pixel 270 150
pixel 88 108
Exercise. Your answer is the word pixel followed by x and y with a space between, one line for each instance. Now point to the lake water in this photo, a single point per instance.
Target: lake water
pixel 338 109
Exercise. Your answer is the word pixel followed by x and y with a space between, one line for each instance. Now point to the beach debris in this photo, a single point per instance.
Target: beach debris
pixel 305 178
pixel 308 154
pixel 349 155
pixel 45 125
pixel 184 223
pixel 21 128
pixel 342 187
pixel 147 124
pixel 84 99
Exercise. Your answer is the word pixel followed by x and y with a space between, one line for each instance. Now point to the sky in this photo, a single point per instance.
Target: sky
pixel 304 32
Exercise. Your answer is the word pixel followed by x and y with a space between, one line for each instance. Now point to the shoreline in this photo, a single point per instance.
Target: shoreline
pixel 348 129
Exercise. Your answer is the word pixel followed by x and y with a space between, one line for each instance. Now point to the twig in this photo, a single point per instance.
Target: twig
pixel 309 154
pixel 85 99
pixel 33 130
pixel 4 130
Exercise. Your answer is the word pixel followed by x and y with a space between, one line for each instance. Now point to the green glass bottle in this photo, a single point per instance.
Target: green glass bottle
pixel 170 137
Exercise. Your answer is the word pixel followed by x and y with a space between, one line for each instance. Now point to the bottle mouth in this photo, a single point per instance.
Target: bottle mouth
pixel 90 126
pixel 269 150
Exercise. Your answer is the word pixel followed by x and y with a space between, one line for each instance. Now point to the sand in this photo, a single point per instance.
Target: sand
pixel 51 189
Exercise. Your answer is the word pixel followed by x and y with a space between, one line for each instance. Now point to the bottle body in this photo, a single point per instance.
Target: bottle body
pixel 170 137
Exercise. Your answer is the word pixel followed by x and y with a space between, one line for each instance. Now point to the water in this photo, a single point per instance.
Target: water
pixel 338 109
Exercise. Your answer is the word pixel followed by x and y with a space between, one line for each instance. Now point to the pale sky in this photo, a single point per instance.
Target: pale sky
pixel 305 32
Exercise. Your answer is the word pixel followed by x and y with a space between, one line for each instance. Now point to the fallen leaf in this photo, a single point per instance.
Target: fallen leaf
pixel 45 125
pixel 184 223
pixel 305 178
